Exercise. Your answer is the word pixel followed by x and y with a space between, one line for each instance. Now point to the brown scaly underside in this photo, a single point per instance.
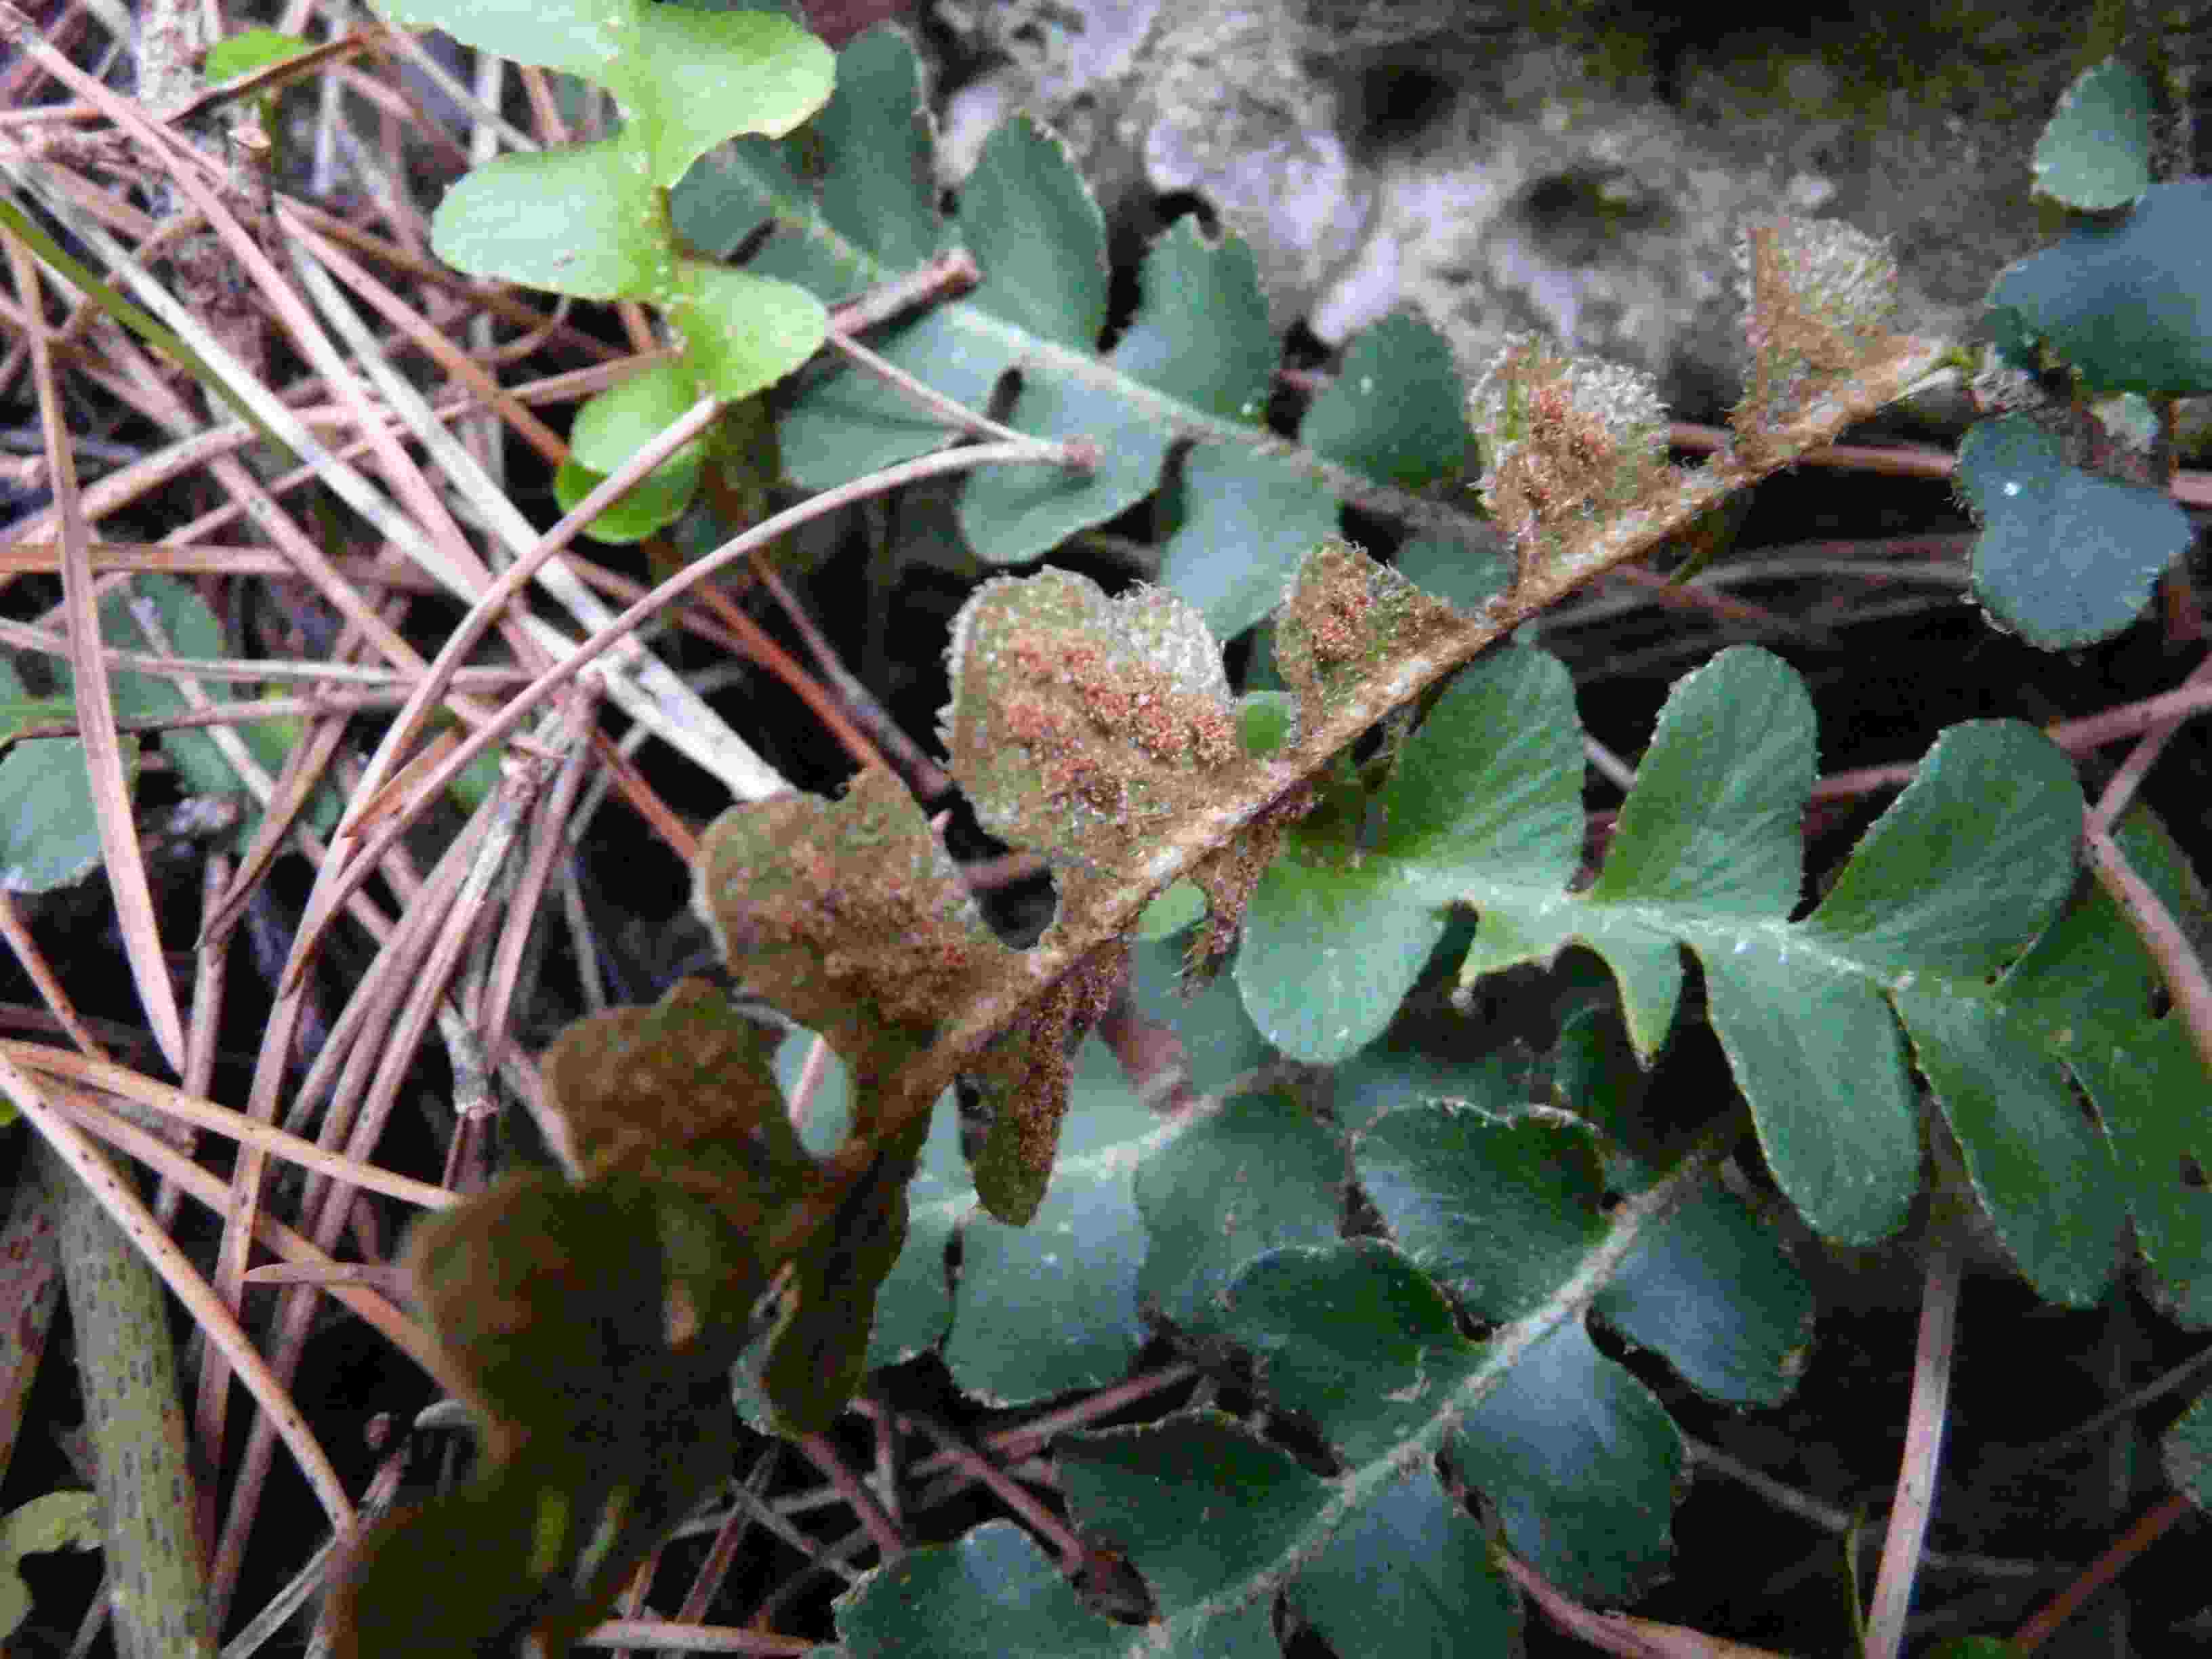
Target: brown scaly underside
pixel 1570 467
pixel 1025 1076
pixel 1346 619
pixel 1572 442
pixel 1048 752
pixel 849 917
pixel 1079 725
pixel 1100 733
pixel 635 1079
pixel 1356 642
pixel 1227 876
pixel 1104 725
pixel 1822 304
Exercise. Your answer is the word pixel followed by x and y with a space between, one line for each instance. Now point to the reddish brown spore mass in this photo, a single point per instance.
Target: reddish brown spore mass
pixel 1569 461
pixel 850 911
pixel 1332 607
pixel 1078 702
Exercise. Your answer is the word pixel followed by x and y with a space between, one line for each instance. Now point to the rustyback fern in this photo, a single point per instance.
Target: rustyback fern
pixel 851 206
pixel 2078 527
pixel 1568 439
pixel 1416 784
pixel 1819 297
pixel 1080 725
pixel 1949 930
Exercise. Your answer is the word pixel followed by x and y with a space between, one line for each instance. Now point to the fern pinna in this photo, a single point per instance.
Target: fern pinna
pixel 1956 957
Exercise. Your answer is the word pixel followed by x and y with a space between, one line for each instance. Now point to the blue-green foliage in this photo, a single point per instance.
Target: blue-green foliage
pixel 2095 154
pixel 2123 303
pixel 2066 557
pixel 853 207
pixel 1954 939
pixel 49 836
pixel 1905 961
pixel 1954 967
pixel 1235 1213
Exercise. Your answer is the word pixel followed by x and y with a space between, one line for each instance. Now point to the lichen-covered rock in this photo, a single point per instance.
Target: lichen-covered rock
pixel 1582 176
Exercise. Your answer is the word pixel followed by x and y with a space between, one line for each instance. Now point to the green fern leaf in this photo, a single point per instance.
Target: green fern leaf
pixel 1242 1203
pixel 2065 557
pixel 2087 990
pixel 1950 887
pixel 2095 152
pixel 2123 304
pixel 1196 363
